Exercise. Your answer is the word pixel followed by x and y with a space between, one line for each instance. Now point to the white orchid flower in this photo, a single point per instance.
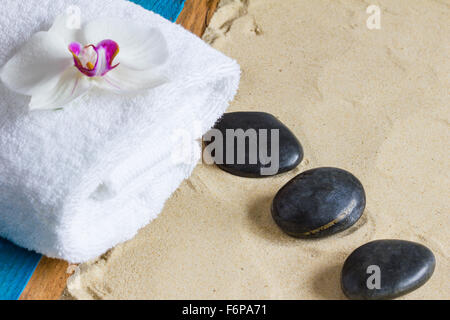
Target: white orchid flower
pixel 60 65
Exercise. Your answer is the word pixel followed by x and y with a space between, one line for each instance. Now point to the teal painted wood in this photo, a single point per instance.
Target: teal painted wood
pixel 169 9
pixel 16 267
pixel 16 264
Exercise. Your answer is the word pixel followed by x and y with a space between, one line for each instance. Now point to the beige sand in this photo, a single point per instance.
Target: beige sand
pixel 375 102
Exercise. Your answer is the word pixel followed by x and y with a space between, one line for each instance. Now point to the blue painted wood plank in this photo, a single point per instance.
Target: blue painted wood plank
pixel 16 264
pixel 169 9
pixel 16 268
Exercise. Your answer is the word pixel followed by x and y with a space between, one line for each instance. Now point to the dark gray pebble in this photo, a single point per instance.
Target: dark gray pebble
pixel 290 152
pixel 318 203
pixel 386 269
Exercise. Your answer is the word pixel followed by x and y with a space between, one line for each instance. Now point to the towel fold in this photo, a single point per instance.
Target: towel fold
pixel 76 182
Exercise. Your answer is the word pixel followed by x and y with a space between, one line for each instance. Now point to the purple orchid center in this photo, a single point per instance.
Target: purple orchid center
pixel 94 61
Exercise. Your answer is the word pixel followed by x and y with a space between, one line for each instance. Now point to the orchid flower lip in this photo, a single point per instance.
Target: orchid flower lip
pixel 94 60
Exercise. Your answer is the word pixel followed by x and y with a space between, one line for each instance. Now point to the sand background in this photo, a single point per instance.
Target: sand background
pixel 374 102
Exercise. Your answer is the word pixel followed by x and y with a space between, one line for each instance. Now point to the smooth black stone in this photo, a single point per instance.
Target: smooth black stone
pixel 290 149
pixel 318 203
pixel 404 267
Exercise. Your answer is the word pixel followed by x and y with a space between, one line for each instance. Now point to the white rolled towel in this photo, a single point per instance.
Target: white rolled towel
pixel 78 181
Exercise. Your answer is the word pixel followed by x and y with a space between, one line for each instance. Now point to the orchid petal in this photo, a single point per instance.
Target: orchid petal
pixel 37 66
pixel 67 27
pixel 127 80
pixel 140 47
pixel 71 86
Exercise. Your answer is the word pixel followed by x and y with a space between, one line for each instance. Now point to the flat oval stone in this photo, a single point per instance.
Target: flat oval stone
pixel 318 203
pixel 401 267
pixel 289 155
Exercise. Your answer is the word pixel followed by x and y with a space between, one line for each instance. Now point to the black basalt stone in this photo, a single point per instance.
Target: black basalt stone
pixel 403 267
pixel 290 149
pixel 318 203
